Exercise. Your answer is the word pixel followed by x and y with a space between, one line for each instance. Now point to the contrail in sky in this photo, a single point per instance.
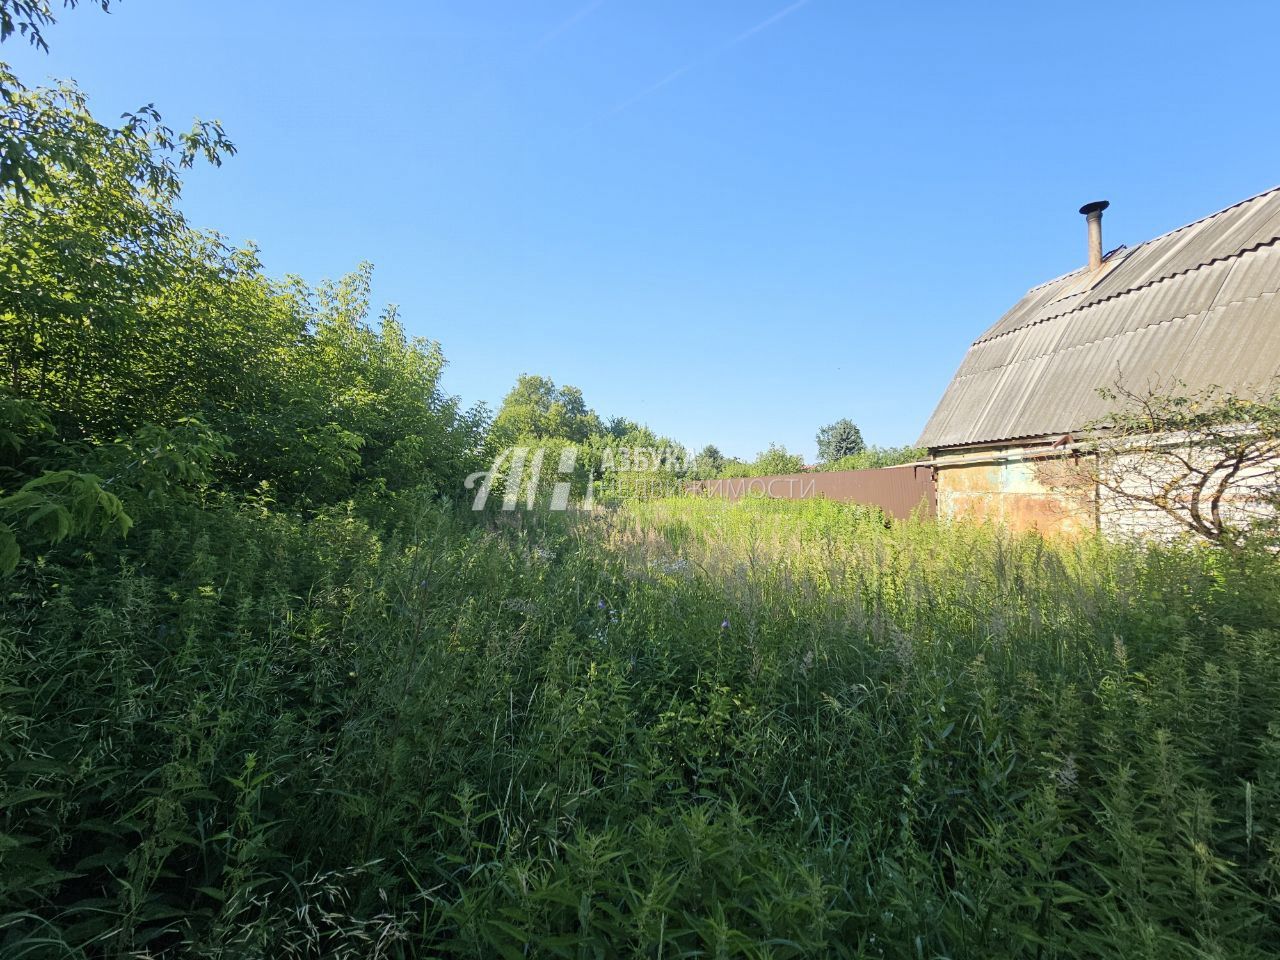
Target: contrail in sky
pixel 764 24
pixel 674 75
pixel 531 52
pixel 564 25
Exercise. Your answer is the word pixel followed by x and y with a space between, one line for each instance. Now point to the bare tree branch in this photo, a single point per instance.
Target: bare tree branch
pixel 1205 462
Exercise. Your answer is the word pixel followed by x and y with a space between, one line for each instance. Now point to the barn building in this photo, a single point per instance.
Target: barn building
pixel 1200 305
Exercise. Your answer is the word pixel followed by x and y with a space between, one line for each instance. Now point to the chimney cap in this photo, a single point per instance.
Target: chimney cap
pixel 1097 206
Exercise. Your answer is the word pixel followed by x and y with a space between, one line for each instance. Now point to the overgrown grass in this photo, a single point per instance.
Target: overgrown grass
pixel 686 728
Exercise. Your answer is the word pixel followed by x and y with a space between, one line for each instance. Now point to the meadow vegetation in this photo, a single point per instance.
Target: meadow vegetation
pixel 683 728
pixel 269 688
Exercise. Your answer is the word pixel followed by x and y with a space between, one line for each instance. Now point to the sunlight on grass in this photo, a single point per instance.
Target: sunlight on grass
pixel 685 728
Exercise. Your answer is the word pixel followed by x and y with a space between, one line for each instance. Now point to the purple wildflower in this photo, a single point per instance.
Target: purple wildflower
pixel 599 604
pixel 724 624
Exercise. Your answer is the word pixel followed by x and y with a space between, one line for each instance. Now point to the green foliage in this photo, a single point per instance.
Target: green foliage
pixel 120 319
pixel 29 18
pixel 309 707
pixel 48 137
pixel 54 506
pixel 21 422
pixel 874 458
pixel 620 459
pixel 710 462
pixel 693 728
pixel 772 461
pixel 537 409
pixel 839 440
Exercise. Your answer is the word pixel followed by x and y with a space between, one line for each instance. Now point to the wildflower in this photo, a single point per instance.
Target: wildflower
pixel 806 662
pixel 1119 649
pixel 599 604
pixel 542 553
pixel 724 624
pixel 1068 774
pixel 678 565
pixel 613 616
pixel 904 650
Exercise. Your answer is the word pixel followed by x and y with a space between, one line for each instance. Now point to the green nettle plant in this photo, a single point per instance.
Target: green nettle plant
pixel 682 728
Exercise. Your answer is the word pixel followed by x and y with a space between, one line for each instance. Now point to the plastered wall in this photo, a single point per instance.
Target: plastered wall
pixel 1014 492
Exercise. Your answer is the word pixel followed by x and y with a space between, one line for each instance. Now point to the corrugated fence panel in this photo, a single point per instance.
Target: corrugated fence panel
pixel 898 491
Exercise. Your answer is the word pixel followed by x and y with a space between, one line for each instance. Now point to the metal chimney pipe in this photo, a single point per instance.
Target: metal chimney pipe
pixel 1093 213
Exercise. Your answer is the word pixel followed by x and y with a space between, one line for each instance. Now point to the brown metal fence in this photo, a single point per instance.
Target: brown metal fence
pixel 898 491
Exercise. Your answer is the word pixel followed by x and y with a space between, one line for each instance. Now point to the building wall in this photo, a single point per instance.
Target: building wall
pixel 1024 488
pixel 1247 499
pixel 1007 487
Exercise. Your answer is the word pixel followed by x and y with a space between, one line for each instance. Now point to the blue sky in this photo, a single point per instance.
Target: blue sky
pixel 735 221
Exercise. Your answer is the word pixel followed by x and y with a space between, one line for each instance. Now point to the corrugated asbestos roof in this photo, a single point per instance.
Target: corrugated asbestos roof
pixel 1200 304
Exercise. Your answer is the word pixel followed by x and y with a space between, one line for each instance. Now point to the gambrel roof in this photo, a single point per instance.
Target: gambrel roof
pixel 1197 305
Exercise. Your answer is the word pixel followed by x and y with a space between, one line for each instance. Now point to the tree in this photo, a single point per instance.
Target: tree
pixel 91 244
pixel 710 461
pixel 776 460
pixel 121 324
pixel 28 18
pixel 619 427
pixel 47 134
pixel 875 458
pixel 1203 463
pixel 839 439
pixel 536 409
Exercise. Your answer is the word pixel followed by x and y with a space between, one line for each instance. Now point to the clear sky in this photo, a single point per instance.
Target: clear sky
pixel 732 220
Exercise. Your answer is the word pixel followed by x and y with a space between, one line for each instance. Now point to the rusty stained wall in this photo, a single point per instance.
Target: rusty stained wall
pixel 1014 491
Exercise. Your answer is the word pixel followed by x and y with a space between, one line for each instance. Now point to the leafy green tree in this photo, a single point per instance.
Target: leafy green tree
pixel 839 439
pixel 28 18
pixel 620 427
pixel 537 409
pixel 710 461
pixel 364 406
pixel 776 460
pixel 874 458
pixel 48 134
pixel 736 467
pixel 42 138
pixel 117 318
